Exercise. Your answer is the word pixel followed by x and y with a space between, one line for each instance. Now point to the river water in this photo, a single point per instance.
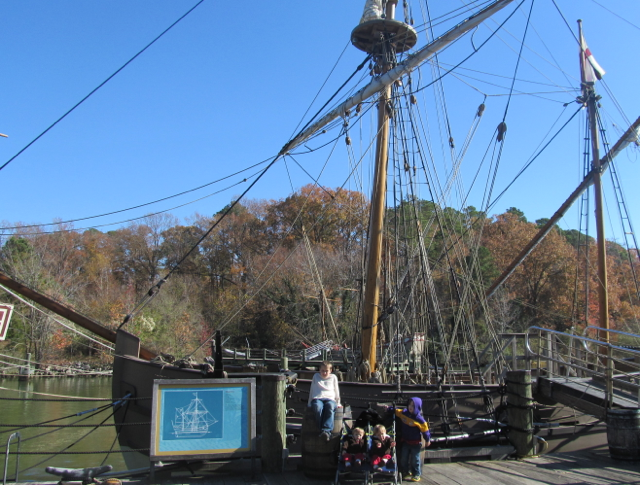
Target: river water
pixel 39 400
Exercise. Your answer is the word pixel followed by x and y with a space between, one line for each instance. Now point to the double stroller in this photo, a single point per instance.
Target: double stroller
pixel 367 451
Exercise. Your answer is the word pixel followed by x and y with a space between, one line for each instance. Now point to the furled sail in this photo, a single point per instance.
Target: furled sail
pixel 372 10
pixel 411 63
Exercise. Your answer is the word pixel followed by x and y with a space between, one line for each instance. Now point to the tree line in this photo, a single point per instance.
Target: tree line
pixel 287 273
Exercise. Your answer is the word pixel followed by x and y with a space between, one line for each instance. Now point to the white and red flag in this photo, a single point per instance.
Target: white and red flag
pixel 590 69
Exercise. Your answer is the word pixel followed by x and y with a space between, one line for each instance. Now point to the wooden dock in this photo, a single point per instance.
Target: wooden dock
pixel 579 468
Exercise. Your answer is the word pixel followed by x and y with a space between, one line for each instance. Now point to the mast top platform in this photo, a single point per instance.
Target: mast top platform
pixel 368 35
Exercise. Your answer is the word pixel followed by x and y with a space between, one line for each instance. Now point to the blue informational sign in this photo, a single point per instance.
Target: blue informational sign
pixel 203 417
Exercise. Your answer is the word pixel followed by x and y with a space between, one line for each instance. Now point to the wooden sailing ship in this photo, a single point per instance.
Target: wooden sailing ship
pixel 454 392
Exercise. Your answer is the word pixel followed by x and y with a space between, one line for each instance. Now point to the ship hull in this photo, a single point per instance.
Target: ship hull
pixel 135 377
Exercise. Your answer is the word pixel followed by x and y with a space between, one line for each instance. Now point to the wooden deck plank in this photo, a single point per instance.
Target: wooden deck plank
pixel 501 475
pixel 593 468
pixel 450 474
pixel 583 468
pixel 445 474
pixel 519 473
pixel 595 465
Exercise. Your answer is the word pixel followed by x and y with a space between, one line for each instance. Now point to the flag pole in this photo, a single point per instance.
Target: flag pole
pixel 589 97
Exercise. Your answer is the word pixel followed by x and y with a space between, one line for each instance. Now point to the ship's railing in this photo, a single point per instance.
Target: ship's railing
pixel 312 356
pixel 502 355
pixel 12 366
pixel 601 358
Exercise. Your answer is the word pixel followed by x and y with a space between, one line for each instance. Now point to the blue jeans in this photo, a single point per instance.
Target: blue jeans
pixel 324 410
pixel 410 459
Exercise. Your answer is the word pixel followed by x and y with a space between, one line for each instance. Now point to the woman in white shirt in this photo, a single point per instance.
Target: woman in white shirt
pixel 324 398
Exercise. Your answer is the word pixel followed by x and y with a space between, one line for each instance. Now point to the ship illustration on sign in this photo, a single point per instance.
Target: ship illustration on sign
pixel 193 421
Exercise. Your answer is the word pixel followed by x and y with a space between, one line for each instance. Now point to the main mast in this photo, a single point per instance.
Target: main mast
pixel 590 99
pixel 382 37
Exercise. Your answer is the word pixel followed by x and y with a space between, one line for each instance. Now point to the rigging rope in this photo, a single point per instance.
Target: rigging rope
pixel 54 319
pixel 528 164
pixel 474 52
pixel 153 291
pixel 64 450
pixel 287 257
pixel 100 85
pixel 141 205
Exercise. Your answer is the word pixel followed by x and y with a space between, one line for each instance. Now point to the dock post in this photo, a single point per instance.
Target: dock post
pixel 520 411
pixel 25 371
pixel 284 360
pixel 274 429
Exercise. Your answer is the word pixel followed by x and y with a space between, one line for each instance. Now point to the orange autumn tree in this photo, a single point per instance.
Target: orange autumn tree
pixel 541 289
pixel 623 270
pixel 333 217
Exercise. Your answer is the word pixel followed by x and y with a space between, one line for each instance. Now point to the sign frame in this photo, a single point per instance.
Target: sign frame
pixel 233 416
pixel 6 311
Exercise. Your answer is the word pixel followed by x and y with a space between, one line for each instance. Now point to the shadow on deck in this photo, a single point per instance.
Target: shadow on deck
pixel 585 394
pixel 558 468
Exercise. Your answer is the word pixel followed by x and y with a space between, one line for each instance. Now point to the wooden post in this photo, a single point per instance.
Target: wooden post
pixel 519 400
pixel 609 383
pixel 218 368
pixel 539 372
pixel 549 355
pixel 284 360
pixel 274 431
pixel 25 371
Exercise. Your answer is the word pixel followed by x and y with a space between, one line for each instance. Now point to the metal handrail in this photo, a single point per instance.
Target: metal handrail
pixel 600 358
pixel 609 330
pixel 6 460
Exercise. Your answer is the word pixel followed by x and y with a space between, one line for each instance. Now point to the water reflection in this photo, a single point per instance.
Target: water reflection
pixel 47 400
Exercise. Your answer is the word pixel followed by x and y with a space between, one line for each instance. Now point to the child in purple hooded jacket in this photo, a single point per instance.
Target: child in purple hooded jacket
pixel 414 429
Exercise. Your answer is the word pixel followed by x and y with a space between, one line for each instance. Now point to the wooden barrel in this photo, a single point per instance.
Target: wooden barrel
pixel 320 457
pixel 623 433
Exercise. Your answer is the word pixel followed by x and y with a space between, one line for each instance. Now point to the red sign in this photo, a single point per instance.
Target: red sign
pixel 5 316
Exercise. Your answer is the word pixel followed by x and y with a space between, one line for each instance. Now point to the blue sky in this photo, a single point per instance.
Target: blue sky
pixel 229 84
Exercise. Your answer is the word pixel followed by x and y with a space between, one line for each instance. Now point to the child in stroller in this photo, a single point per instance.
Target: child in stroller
pixel 354 448
pixel 381 449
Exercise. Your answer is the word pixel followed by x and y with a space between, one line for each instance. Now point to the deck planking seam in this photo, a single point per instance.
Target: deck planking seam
pixel 499 475
pixel 575 469
pixel 557 469
pixel 528 475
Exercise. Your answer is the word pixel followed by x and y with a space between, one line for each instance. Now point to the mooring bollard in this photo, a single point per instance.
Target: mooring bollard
pixel 520 411
pixel 274 426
